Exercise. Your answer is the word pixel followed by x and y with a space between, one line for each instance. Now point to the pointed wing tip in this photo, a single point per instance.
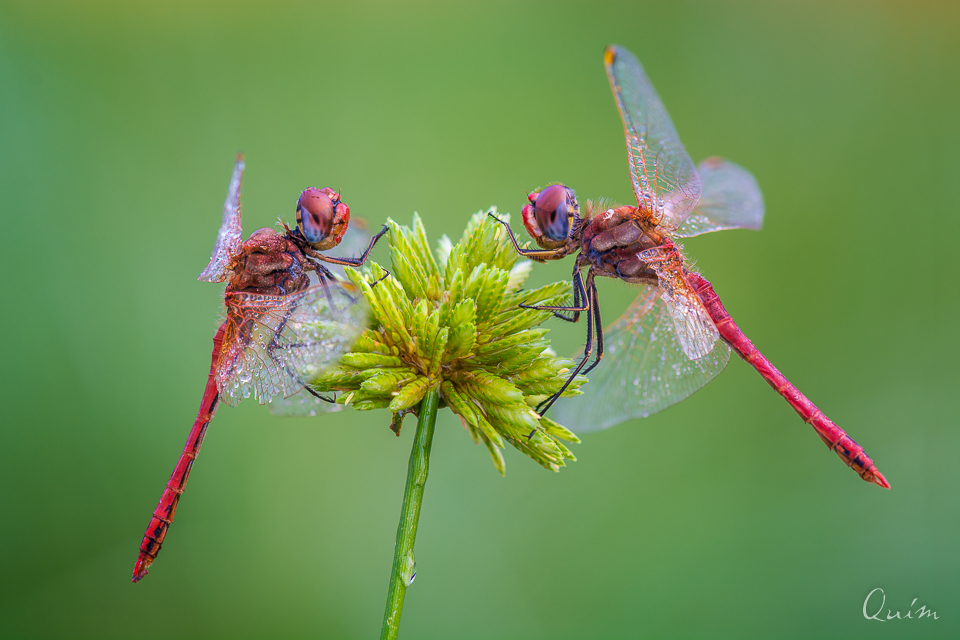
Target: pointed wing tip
pixel 238 168
pixel 610 55
pixel 228 241
pixel 615 51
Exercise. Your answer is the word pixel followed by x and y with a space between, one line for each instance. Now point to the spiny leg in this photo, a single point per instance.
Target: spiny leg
pixel 580 301
pixel 293 374
pixel 324 275
pixel 541 254
pixel 536 254
pixel 385 275
pixel 599 325
pixel 272 349
pixel 317 395
pixel 592 327
pixel 323 272
pixel 353 262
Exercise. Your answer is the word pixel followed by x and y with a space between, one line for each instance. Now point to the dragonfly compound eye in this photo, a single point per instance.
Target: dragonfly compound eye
pixel 554 208
pixel 315 213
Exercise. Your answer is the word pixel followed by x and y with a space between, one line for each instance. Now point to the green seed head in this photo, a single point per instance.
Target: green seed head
pixel 450 320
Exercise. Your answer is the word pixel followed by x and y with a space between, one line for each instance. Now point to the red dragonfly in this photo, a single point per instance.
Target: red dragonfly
pixel 279 331
pixel 676 336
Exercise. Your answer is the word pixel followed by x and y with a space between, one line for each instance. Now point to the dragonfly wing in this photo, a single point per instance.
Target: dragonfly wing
pixel 278 344
pixel 696 332
pixel 303 403
pixel 731 200
pixel 664 177
pixel 230 236
pixel 644 369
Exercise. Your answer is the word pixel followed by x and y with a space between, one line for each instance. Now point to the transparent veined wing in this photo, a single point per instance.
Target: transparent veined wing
pixel 230 236
pixel 274 345
pixel 696 332
pixel 731 200
pixel 644 369
pixel 664 177
pixel 303 404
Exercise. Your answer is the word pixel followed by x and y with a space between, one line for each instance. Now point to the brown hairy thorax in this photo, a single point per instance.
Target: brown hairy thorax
pixel 613 238
pixel 269 264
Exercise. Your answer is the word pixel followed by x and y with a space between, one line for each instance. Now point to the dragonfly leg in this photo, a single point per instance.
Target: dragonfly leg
pixel 271 351
pixel 322 272
pixel 593 327
pixel 317 395
pixel 325 275
pixel 536 254
pixel 580 301
pixel 353 262
pixel 599 325
pixel 385 275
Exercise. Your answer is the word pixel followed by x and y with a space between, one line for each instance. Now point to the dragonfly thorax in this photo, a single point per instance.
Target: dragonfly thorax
pixel 614 239
pixel 269 264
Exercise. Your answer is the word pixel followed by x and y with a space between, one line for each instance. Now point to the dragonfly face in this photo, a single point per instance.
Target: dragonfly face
pixel 553 216
pixel 322 218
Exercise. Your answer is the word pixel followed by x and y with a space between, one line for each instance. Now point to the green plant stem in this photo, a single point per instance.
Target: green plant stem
pixel 417 471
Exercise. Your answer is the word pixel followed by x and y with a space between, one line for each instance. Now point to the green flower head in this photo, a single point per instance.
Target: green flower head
pixel 451 321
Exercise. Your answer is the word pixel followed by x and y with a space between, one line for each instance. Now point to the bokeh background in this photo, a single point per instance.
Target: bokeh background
pixel 721 517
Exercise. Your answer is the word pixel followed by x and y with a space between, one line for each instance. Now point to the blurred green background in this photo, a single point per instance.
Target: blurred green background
pixel 721 517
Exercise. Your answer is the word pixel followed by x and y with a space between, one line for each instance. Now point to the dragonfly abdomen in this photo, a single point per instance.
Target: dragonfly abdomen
pixel 167 507
pixel 832 435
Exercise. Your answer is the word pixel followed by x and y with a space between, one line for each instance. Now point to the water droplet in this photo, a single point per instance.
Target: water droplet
pixel 408 569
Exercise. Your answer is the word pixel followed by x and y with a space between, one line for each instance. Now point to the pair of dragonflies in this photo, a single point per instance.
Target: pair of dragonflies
pixel 676 336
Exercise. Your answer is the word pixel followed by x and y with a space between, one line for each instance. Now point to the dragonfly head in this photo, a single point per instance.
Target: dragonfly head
pixel 551 215
pixel 322 218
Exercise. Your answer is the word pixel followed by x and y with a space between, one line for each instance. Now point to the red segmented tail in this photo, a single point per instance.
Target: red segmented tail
pixel 833 436
pixel 163 514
